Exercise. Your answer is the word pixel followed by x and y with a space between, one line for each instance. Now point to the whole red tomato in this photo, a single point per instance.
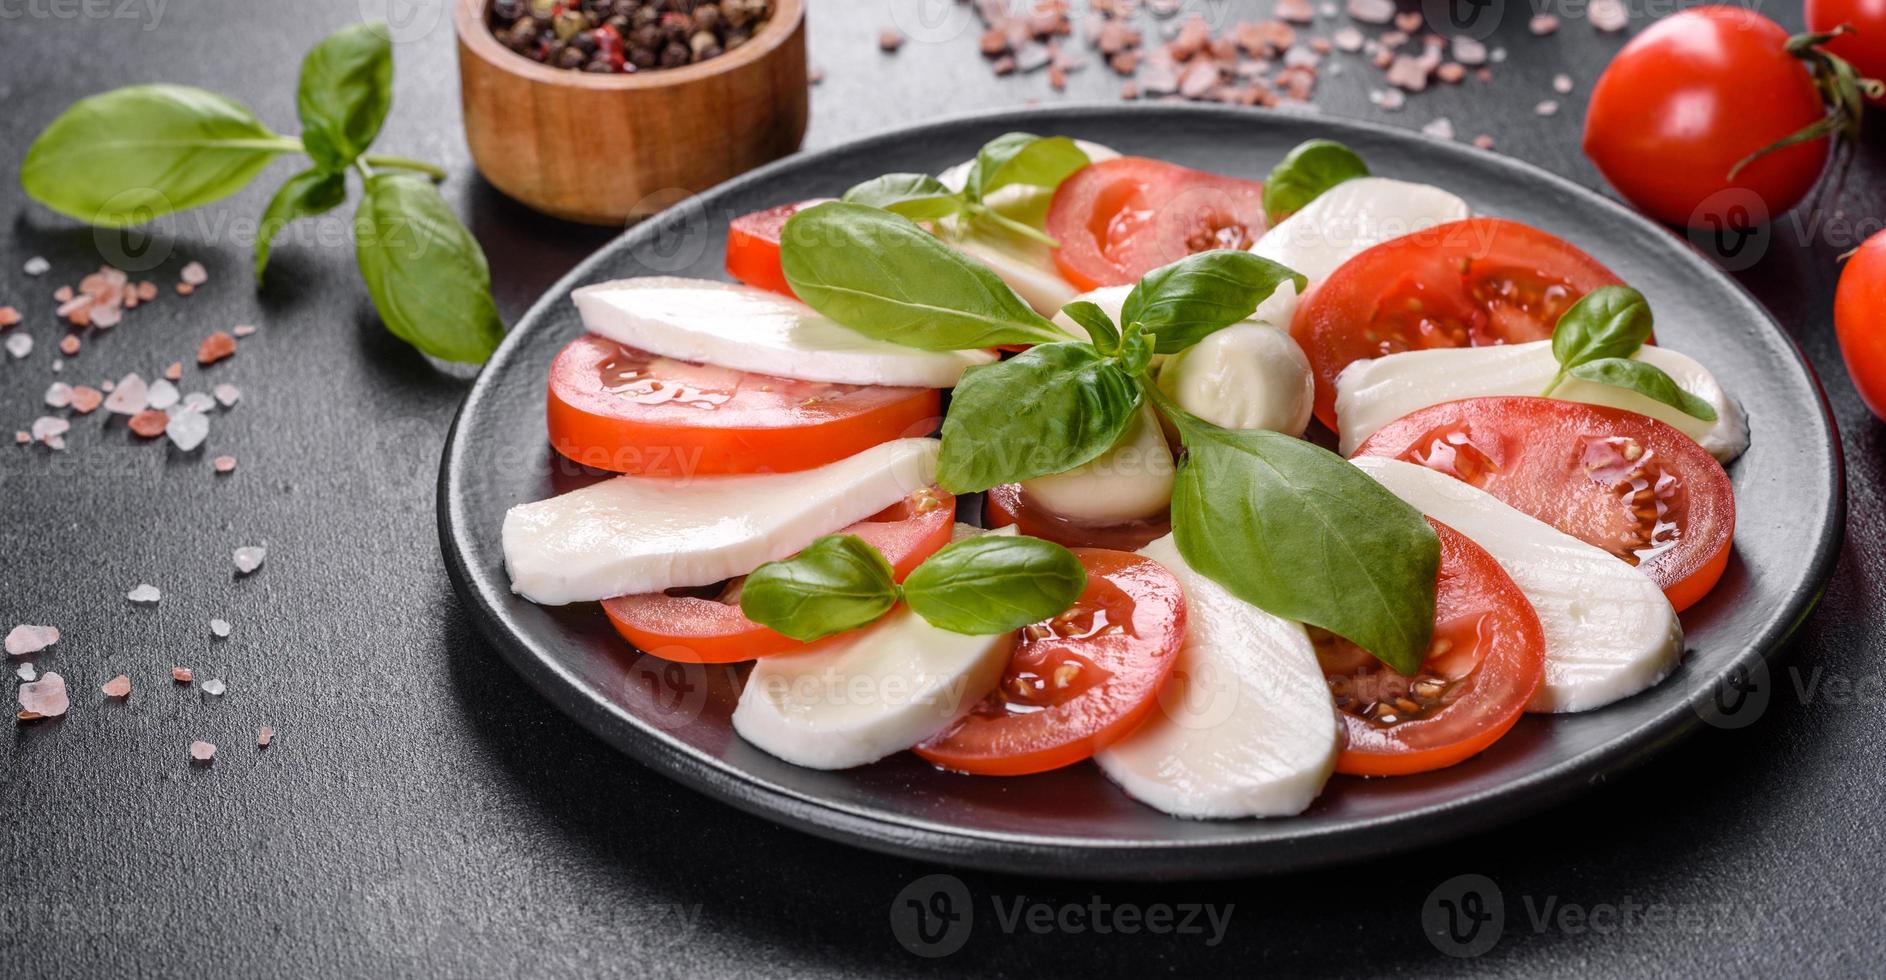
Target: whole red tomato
pixel 1865 46
pixel 1691 96
pixel 1860 321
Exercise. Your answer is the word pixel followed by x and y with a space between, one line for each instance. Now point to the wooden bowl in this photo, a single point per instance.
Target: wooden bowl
pixel 606 149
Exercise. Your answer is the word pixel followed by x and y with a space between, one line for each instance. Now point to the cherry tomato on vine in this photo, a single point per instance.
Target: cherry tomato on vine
pixel 1865 46
pixel 1860 321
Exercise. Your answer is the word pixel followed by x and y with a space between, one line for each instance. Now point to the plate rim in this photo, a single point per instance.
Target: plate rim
pixel 1046 854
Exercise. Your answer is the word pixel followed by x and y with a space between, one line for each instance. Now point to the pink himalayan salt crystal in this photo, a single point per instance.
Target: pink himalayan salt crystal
pixel 244 329
pixel 227 395
pixel 194 274
pixel 215 687
pixel 27 672
pixel 224 464
pixel 263 736
pixel 117 687
pixel 249 558
pixel 129 396
pixel 182 675
pixel 44 698
pixel 202 751
pixel 25 640
pixel 1609 16
pixel 1372 11
pixel 145 594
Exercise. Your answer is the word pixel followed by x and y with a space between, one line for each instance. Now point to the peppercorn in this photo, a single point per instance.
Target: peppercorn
pixel 603 36
pixel 674 55
pixel 570 57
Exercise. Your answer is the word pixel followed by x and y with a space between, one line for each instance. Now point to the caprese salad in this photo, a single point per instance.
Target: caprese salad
pixel 1110 365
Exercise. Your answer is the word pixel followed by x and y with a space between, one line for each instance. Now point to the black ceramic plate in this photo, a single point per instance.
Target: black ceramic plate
pixel 1074 822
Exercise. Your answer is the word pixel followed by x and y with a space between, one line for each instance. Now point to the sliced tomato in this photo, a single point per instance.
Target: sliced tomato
pixel 1486 660
pixel 1468 283
pixel 1079 681
pixel 1624 482
pixel 1007 504
pixel 694 629
pixel 753 245
pixel 620 409
pixel 1119 219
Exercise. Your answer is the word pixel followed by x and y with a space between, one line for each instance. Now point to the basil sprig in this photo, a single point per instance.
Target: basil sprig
pixel 1297 531
pixel 1308 170
pixel 979 586
pixel 133 154
pixel 1597 340
pixel 879 274
pixel 1007 160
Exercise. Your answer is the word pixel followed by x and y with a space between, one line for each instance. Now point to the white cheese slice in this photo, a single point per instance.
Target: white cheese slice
pixel 1131 481
pixel 1372 393
pixel 635 534
pixel 1344 221
pixel 867 694
pixel 1245 725
pixel 757 331
pixel 1609 631
pixel 1246 376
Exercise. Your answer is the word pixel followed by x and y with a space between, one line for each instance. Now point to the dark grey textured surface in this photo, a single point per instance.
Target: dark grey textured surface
pixel 424 812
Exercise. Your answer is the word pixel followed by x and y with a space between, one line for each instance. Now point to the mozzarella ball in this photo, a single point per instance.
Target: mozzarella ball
pixel 1133 480
pixel 1246 376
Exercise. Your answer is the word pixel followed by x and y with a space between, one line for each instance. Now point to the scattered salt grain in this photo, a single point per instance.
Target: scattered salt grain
pixel 145 594
pixel 27 672
pixel 1442 128
pixel 1543 24
pixel 58 395
pixel 117 687
pixel 105 317
pixel 1609 16
pixel 86 399
pixel 149 424
pixel 227 395
pixel 188 429
pixel 215 687
pixel 249 558
pixel 1347 38
pixel 1469 51
pixel 244 329
pixel 182 675
pixel 215 347
pixel 224 464
pixel 185 289
pixel 162 394
pixel 175 371
pixel 129 397
pixel 1546 108
pixel 1483 141
pixel 263 736
pixel 1496 55
pixel 36 266
pixel 219 627
pixel 202 751
pixel 147 291
pixel 23 437
pixel 25 640
pixel 9 316
pixel 62 294
pixel 197 401
pixel 68 345
pixel 1388 100
pixel 1561 84
pixel 1372 11
pixel 51 430
pixel 20 345
pixel 194 274
pixel 44 698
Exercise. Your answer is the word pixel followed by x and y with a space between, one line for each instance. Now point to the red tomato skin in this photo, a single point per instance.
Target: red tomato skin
pixel 1865 46
pixel 1005 504
pixel 755 432
pixel 1691 96
pixel 1860 321
pixel 1119 219
pixel 753 246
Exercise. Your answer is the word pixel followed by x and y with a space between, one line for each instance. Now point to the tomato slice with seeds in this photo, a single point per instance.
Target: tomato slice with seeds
pixel 1079 681
pixel 712 630
pixel 1119 219
pixel 1469 283
pixel 753 245
pixel 1486 660
pixel 623 410
pixel 1624 482
pixel 1006 504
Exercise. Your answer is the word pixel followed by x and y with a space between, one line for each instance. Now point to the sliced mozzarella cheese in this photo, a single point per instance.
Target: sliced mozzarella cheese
pixel 1609 631
pixel 635 534
pixel 1373 393
pixel 1246 376
pixel 1345 220
pixel 1025 264
pixel 1245 726
pixel 1128 482
pixel 868 694
pixel 757 331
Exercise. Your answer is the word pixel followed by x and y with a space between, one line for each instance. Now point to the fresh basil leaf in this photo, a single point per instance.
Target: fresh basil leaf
pixel 1186 301
pixel 839 582
pixel 994 584
pixel 1312 168
pixel 1646 379
pixel 305 195
pixel 1046 410
pixel 1610 321
pixel 1022 158
pixel 1136 350
pixel 881 275
pixel 131 154
pixel 1095 321
pixel 919 197
pixel 425 272
pixel 1294 529
pixel 346 90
